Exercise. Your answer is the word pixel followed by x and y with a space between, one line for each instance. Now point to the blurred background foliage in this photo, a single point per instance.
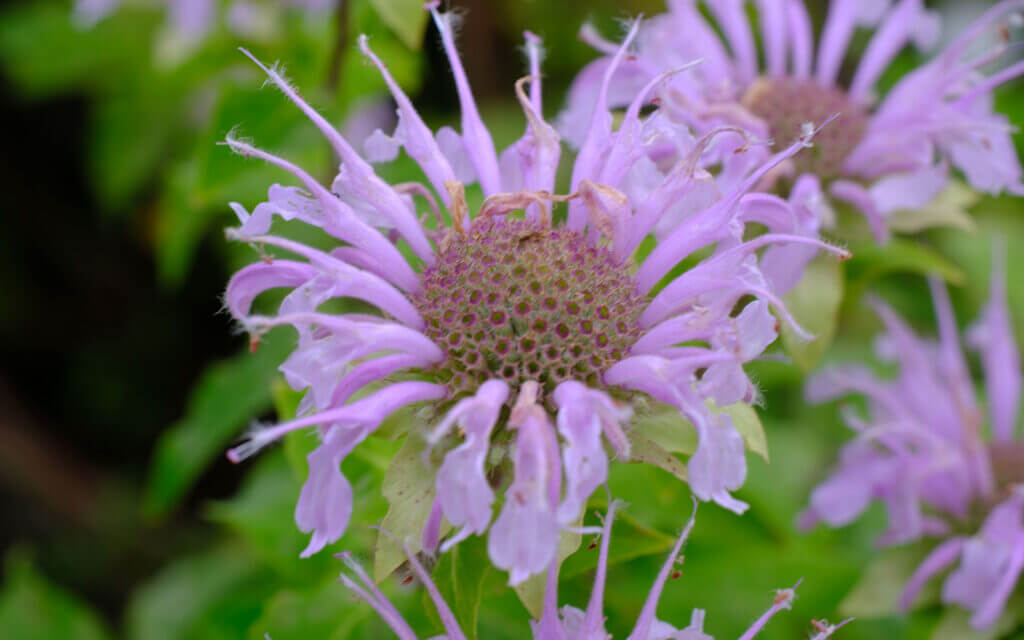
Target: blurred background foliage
pixel 122 384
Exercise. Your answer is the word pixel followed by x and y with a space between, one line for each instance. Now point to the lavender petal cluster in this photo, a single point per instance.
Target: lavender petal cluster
pixel 524 335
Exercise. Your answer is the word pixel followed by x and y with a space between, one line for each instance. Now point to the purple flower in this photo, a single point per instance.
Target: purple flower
pixel 922 451
pixel 570 623
pixel 882 154
pixel 528 337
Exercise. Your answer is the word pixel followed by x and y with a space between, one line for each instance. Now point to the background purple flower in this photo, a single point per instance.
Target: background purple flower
pixel 924 450
pixel 883 153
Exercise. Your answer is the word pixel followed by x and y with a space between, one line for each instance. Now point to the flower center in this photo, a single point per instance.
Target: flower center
pixel 1007 463
pixel 785 104
pixel 516 300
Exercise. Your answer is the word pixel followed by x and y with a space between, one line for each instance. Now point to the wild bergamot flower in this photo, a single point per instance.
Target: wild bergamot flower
pixel 568 622
pixel 881 154
pixel 527 336
pixel 922 451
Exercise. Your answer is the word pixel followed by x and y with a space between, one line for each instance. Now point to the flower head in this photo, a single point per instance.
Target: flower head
pixel 568 622
pixel 922 451
pixel 527 335
pixel 882 154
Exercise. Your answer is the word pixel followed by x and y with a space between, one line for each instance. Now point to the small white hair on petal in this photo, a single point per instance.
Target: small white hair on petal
pixel 275 72
pixel 533 47
pixel 242 145
pixel 255 440
pixel 823 630
pixel 627 23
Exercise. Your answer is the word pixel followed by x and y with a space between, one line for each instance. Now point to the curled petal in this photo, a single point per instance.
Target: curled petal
pixel 524 538
pixel 463 490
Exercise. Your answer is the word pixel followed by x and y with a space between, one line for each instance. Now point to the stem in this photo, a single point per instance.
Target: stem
pixel 340 47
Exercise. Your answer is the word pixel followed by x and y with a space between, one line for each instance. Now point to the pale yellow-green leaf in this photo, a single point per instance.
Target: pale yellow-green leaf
pixel 408 486
pixel 531 590
pixel 748 424
pixel 955 623
pixel 948 209
pixel 644 450
pixel 877 592
pixel 663 426
pixel 814 302
pixel 405 17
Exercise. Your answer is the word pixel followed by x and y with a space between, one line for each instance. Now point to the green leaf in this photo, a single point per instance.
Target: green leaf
pixel 814 302
pixel 663 425
pixel 460 576
pixel 319 613
pixel 405 17
pixel 214 595
pixel 631 539
pixel 948 209
pixel 659 430
pixel 643 450
pixel 878 591
pixel 409 489
pixel 748 424
pixel 871 262
pixel 227 396
pixel 33 609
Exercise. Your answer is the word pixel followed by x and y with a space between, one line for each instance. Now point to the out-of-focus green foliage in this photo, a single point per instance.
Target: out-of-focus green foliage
pixel 33 609
pixel 225 399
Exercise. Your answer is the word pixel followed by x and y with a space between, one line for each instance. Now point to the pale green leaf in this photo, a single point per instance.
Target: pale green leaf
pixel 948 209
pixel 405 17
pixel 663 430
pixel 408 487
pixel 814 303
pixel 644 450
pixel 877 593
pixel 663 425
pixel 748 424
pixel 955 623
